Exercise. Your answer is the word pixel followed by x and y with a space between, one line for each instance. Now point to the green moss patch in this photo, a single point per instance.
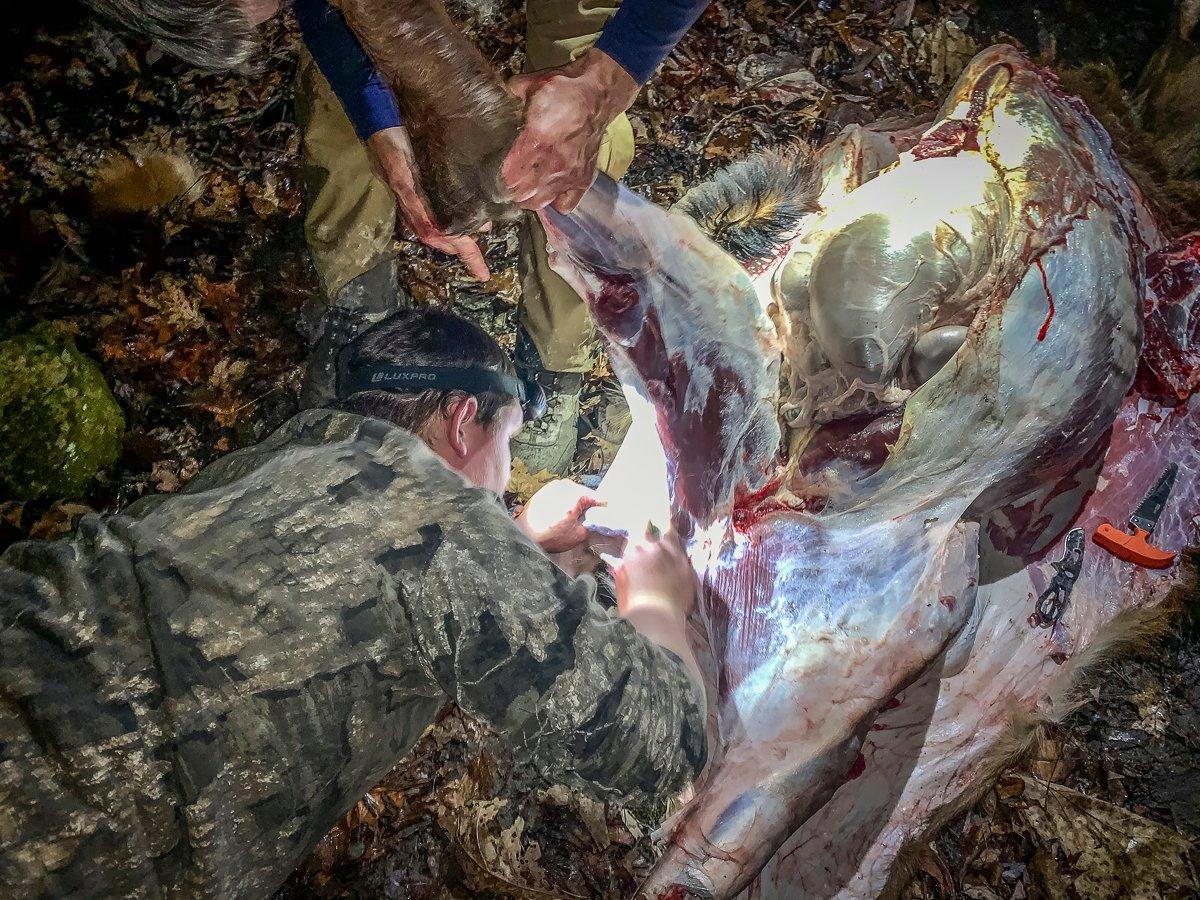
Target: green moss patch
pixel 59 422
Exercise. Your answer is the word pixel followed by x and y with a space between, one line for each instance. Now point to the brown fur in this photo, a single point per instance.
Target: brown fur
pixel 1175 200
pixel 458 113
pixel 1132 630
pixel 142 181
pixel 752 207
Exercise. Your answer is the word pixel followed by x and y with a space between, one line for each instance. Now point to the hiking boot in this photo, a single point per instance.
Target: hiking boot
pixel 548 444
pixel 368 299
pixel 615 417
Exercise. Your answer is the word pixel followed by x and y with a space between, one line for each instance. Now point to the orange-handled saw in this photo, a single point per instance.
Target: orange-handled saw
pixel 1136 548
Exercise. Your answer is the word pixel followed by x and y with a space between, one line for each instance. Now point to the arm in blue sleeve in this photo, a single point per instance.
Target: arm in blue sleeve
pixel 644 32
pixel 366 98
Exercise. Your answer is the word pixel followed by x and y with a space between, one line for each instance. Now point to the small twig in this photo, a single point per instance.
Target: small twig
pixel 249 116
pixel 796 10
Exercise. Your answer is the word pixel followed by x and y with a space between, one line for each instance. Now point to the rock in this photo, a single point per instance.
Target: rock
pixel 59 423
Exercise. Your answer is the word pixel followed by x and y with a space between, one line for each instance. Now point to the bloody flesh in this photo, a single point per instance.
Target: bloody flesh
pixel 883 634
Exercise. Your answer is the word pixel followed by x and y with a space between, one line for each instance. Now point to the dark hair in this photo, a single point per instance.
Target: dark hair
pixel 211 34
pixel 752 207
pixel 425 338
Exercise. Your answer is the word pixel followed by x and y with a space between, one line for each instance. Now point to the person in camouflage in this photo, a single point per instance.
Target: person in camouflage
pixel 192 692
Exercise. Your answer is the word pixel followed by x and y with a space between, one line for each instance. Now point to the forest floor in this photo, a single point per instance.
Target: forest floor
pixel 189 307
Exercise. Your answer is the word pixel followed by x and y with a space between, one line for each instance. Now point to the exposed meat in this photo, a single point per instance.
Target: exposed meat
pixel 707 359
pixel 867 653
pixel 1170 366
pixel 924 757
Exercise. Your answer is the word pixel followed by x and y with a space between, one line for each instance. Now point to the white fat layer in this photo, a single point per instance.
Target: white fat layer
pixel 822 618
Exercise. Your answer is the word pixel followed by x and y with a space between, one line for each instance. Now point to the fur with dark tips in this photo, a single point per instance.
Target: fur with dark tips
pixel 752 207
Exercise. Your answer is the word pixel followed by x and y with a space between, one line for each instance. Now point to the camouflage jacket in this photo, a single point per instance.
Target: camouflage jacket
pixel 193 692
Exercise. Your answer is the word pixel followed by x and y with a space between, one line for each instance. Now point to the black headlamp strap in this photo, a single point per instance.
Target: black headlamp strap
pixel 472 379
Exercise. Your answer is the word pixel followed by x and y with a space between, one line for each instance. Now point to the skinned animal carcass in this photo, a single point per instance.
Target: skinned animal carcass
pixel 960 324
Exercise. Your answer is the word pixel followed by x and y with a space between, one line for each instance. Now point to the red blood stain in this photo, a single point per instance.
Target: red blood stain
pixel 878 727
pixel 744 518
pixel 754 506
pixel 894 703
pixel 948 602
pixel 955 135
pixel 948 139
pixel 756 497
pixel 860 766
pixel 618 294
pixel 1169 369
pixel 1050 299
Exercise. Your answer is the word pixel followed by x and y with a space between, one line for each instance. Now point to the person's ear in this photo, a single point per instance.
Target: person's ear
pixel 461 416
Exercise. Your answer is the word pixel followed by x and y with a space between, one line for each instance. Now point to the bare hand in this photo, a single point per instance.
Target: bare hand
pixel 567 110
pixel 553 517
pixel 655 570
pixel 392 158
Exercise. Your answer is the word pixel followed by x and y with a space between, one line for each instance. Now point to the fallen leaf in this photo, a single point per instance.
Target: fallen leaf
pixel 1112 851
pixel 523 484
pixel 58 520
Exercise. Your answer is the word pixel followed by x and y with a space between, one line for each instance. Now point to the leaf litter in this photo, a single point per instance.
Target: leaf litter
pixel 187 291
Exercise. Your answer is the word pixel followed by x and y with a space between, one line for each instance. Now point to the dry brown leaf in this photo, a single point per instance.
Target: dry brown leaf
pixel 495 859
pixel 1051 763
pixel 165 476
pixel 58 520
pixel 523 483
pixel 11 512
pixel 931 863
pixel 946 50
pixel 1153 716
pixel 505 285
pixel 1112 852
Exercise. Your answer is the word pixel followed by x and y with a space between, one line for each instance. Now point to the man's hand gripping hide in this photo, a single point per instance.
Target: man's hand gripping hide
pixel 567 111
pixel 394 162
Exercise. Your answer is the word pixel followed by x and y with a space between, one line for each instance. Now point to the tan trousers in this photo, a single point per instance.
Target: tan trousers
pixel 351 217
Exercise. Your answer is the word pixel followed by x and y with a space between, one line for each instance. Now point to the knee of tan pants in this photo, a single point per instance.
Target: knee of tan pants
pixel 350 220
pixel 558 31
pixel 552 314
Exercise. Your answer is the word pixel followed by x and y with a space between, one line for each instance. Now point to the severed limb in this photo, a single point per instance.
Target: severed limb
pixel 459 115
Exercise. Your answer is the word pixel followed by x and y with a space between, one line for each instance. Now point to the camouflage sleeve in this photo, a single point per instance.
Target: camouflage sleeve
pixel 579 693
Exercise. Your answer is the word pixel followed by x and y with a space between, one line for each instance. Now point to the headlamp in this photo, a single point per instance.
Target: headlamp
pixel 355 379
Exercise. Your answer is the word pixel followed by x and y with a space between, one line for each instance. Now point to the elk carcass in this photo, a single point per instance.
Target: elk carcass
pixel 959 323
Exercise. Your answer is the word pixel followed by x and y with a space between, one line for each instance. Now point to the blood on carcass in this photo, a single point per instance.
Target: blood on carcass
pixel 1169 370
pixel 1045 329
pixel 816 617
pixel 956 135
pixel 750 508
pixel 860 766
pixel 744 517
pixel 618 296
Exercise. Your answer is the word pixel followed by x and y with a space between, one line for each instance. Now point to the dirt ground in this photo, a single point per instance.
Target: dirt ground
pixel 189 306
